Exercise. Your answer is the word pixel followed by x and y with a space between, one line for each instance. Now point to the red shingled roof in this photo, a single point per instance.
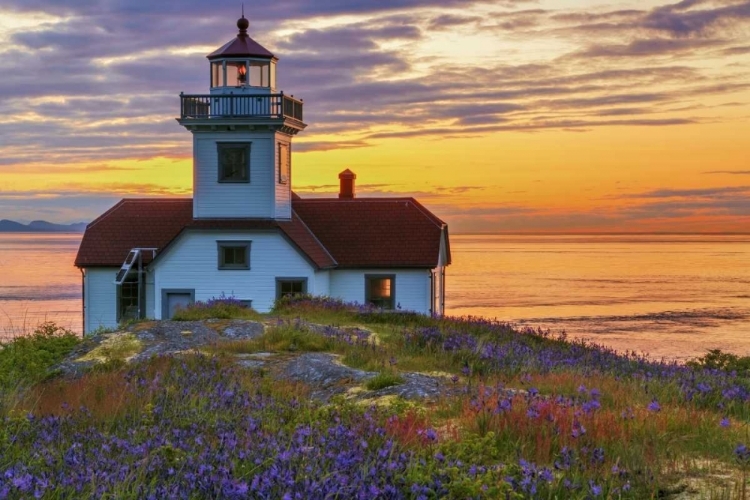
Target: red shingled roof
pixel 345 233
pixel 149 223
pixel 132 223
pixel 374 232
pixel 241 46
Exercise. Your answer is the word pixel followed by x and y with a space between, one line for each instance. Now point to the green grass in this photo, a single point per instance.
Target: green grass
pixel 283 338
pixel 383 380
pixel 218 311
pixel 27 360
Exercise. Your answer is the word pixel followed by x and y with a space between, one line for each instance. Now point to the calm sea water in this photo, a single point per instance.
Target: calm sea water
pixel 669 296
pixel 38 282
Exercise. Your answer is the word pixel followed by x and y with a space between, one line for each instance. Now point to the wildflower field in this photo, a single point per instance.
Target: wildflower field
pixel 525 415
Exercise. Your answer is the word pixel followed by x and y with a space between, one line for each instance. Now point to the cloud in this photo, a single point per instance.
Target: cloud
pixel 99 81
pixel 736 51
pixel 714 192
pixel 649 48
pixel 681 20
pixel 446 21
pixel 115 70
pixel 306 147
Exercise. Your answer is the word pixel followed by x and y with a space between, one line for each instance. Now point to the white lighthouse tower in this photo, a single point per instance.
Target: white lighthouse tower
pixel 242 135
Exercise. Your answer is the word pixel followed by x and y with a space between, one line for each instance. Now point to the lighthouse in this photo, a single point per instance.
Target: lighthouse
pixel 244 234
pixel 242 135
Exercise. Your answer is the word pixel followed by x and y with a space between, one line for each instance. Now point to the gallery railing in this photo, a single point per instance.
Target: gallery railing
pixel 240 106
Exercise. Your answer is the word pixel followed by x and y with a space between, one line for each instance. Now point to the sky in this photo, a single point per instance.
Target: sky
pixel 500 116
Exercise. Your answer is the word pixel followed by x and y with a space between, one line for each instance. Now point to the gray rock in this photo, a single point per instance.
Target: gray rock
pixel 321 371
pixel 415 386
pixel 241 330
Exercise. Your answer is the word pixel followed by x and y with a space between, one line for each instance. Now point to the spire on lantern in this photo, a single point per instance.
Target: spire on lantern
pixel 243 23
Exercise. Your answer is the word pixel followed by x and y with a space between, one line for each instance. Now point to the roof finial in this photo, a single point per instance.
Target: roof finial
pixel 243 23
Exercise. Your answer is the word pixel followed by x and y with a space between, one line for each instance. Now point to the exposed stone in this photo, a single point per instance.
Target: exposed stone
pixel 240 329
pixel 323 372
pixel 153 338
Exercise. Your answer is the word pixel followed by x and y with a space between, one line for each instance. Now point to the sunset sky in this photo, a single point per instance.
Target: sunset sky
pixel 505 115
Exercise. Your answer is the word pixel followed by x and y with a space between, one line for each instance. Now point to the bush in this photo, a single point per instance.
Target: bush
pixel 28 359
pixel 299 303
pixel 384 379
pixel 221 307
pixel 719 360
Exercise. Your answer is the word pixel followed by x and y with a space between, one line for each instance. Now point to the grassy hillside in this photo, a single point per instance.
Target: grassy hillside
pixel 524 415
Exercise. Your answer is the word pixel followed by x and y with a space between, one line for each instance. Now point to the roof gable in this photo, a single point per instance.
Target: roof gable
pixel 132 223
pixel 149 223
pixel 374 232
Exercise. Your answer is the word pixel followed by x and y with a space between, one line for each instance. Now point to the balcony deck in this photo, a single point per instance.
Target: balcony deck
pixel 206 106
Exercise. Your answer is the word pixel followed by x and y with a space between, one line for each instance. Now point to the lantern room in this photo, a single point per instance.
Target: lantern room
pixel 242 66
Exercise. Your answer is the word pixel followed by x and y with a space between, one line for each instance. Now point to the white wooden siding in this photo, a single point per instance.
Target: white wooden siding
pixel 192 263
pixel 100 299
pixel 412 287
pixel 212 199
pixel 283 194
pixel 150 293
pixel 321 284
pixel 443 255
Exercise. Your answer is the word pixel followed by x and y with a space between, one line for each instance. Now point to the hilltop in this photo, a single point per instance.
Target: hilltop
pixel 322 399
pixel 40 226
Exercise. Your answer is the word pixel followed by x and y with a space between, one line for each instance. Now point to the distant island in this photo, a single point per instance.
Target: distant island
pixel 40 226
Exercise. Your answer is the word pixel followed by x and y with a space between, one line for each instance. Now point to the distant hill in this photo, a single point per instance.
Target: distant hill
pixel 40 226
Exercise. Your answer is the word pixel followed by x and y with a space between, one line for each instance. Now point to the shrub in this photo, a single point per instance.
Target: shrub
pixel 299 303
pixel 716 359
pixel 384 379
pixel 27 360
pixel 221 307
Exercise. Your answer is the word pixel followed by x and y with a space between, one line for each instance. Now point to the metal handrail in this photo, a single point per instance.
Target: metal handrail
pixel 240 106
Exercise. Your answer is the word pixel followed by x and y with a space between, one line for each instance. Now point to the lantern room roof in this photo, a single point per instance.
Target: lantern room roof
pixel 241 46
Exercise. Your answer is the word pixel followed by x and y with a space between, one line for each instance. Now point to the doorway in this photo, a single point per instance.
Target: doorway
pixel 172 300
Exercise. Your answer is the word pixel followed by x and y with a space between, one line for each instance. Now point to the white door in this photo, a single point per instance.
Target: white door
pixel 177 301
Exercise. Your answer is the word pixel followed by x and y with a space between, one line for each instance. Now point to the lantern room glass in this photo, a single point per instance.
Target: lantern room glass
pixel 243 73
pixel 259 74
pixel 236 73
pixel 217 74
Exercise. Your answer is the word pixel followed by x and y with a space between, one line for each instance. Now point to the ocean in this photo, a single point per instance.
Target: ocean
pixel 670 296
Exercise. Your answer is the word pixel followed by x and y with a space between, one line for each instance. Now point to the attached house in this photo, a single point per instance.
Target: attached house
pixel 245 233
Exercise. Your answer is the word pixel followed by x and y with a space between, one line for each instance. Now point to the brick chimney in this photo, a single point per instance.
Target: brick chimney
pixel 346 183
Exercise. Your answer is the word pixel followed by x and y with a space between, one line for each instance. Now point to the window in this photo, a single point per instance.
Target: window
pixel 217 74
pixel 127 302
pixel 259 74
pixel 234 162
pixel 380 290
pixel 234 254
pixel 236 74
pixel 290 286
pixel 285 160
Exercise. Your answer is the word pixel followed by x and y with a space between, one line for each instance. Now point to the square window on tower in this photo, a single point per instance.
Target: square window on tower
pixel 234 162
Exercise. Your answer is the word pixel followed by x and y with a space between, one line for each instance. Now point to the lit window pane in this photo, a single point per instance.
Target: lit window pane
pixel 380 292
pixel 217 74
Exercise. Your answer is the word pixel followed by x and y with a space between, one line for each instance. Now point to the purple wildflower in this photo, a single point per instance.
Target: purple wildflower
pixel 654 406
